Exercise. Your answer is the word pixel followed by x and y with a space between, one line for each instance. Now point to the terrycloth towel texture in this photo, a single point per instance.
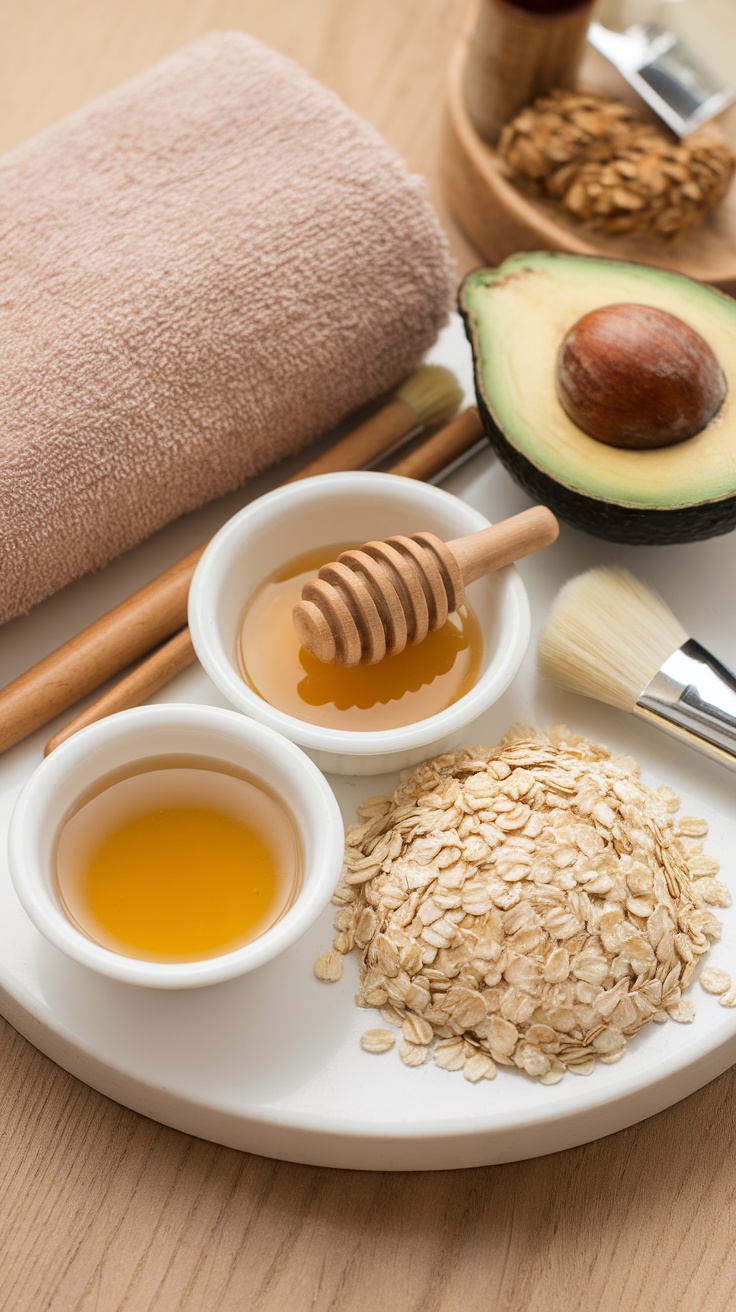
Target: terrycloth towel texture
pixel 199 274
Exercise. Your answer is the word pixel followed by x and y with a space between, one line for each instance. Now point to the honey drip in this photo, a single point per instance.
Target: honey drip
pixel 421 681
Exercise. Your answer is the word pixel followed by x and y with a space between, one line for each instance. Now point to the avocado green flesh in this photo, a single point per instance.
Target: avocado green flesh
pixel 517 316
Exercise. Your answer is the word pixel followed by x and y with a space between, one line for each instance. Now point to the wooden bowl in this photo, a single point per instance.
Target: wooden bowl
pixel 500 220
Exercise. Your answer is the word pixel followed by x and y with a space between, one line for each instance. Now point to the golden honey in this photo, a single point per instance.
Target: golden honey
pixel 178 861
pixel 420 681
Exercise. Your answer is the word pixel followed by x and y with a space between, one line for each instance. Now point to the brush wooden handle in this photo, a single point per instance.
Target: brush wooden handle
pixel 365 443
pixel 443 448
pixel 100 651
pixel 159 609
pixel 153 673
pixel 373 602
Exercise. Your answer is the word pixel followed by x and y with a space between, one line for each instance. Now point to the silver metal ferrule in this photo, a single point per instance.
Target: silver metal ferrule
pixel 665 72
pixel 693 697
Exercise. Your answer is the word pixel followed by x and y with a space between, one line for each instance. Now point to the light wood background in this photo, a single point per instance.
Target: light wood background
pixel 102 1209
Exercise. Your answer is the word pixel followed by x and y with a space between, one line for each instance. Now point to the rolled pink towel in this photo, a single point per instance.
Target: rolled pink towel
pixel 199 274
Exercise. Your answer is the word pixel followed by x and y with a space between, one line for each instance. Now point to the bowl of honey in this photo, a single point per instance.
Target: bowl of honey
pixel 371 718
pixel 175 846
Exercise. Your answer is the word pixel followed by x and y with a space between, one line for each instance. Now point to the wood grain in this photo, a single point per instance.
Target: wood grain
pixel 101 1209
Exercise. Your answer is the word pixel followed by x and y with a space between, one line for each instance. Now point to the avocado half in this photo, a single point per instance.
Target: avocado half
pixel 516 317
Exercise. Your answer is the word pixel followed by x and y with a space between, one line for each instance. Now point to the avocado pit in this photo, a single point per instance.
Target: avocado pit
pixel 636 377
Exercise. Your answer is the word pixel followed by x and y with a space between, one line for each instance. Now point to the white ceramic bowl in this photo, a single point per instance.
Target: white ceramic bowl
pixel 153 731
pixel 337 508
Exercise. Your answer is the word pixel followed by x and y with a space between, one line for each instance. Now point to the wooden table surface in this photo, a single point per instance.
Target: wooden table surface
pixel 103 1209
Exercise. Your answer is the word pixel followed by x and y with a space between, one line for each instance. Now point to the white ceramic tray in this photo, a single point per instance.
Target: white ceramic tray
pixel 271 1063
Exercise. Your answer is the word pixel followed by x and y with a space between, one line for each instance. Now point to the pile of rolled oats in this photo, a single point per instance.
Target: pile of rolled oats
pixel 531 905
pixel 593 157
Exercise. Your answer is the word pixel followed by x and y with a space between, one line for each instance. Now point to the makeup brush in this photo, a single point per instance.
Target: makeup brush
pixel 611 637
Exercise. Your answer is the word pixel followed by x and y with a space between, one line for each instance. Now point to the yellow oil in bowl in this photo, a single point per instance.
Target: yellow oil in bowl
pixel 176 862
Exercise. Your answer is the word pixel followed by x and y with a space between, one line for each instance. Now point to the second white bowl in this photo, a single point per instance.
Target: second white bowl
pixel 126 742
pixel 336 508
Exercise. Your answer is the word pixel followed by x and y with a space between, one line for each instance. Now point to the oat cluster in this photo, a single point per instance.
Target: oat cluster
pixel 609 170
pixel 531 905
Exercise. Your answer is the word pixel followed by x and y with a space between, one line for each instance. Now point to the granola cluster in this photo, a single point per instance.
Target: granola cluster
pixel 591 156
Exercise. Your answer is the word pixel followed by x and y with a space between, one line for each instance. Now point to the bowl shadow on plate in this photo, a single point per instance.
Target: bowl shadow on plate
pixel 257 1039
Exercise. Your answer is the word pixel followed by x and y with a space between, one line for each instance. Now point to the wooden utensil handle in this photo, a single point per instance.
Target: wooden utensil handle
pixel 101 650
pixel 371 439
pixel 443 447
pixel 501 544
pixel 153 673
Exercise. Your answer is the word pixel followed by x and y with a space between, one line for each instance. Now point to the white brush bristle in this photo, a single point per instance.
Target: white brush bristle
pixel 606 636
pixel 433 393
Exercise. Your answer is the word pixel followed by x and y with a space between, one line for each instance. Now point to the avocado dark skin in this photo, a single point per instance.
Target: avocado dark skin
pixel 497 326
pixel 626 524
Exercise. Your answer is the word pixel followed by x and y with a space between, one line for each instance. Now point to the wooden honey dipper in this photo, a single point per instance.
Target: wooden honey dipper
pixel 373 601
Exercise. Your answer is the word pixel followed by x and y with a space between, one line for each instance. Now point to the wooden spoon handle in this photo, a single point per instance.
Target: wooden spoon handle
pixel 443 448
pixel 501 544
pixel 153 673
pixel 101 650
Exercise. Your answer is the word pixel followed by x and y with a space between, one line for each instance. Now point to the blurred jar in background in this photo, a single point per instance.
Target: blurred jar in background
pixel 521 48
